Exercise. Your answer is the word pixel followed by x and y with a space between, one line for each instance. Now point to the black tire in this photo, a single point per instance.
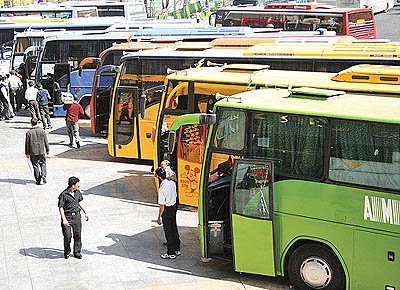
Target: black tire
pixel 307 256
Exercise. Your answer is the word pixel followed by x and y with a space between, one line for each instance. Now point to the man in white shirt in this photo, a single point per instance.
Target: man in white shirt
pixel 167 214
pixel 15 86
pixel 31 96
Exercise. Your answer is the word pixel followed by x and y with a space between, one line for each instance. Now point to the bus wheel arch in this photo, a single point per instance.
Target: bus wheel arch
pixel 312 264
pixel 85 103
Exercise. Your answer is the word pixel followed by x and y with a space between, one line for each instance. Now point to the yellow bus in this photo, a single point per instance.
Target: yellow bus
pixel 145 69
pixel 196 90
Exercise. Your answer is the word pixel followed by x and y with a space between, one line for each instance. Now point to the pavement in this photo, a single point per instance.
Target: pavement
pixel 122 242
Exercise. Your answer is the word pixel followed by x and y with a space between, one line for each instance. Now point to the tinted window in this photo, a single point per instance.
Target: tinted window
pixel 365 153
pixel 230 130
pixel 295 143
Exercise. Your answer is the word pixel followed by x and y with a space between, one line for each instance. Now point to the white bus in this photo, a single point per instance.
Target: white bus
pixel 129 10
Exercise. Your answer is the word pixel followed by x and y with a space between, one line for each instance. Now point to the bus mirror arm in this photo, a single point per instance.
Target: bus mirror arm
pixel 171 141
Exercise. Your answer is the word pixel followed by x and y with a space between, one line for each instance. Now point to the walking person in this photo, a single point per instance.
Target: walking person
pixel 70 206
pixel 15 88
pixel 31 95
pixel 36 147
pixel 43 98
pixel 167 214
pixel 71 119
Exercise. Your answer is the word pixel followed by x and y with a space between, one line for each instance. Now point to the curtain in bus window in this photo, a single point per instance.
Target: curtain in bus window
pixel 230 132
pixel 294 143
pixel 365 153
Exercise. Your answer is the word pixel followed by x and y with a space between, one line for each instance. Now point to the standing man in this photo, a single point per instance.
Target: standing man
pixel 15 86
pixel 36 146
pixel 71 119
pixel 43 98
pixel 69 206
pixel 31 95
pixel 167 214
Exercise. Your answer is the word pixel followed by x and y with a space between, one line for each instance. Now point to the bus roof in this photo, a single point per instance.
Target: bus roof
pixel 89 35
pixel 336 50
pixel 378 84
pixel 363 52
pixel 343 106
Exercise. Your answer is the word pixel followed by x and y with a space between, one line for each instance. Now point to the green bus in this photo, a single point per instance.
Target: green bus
pixel 303 183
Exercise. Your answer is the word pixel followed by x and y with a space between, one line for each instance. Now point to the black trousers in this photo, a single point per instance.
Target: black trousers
pixel 75 229
pixel 20 99
pixel 39 166
pixel 171 229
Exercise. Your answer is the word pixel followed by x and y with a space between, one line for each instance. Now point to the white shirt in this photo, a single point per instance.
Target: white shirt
pixel 14 82
pixel 167 193
pixel 31 94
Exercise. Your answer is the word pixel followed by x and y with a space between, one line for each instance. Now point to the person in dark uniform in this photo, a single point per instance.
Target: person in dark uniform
pixel 167 214
pixel 70 205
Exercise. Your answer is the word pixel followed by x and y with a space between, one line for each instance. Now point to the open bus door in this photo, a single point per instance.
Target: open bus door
pixel 124 130
pixel 61 82
pixel 100 101
pixel 190 152
pixel 251 206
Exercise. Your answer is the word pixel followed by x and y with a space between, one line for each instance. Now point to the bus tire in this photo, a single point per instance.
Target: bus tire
pixel 85 103
pixel 314 266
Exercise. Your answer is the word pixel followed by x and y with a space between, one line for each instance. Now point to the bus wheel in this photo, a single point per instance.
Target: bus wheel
pixel 86 107
pixel 313 266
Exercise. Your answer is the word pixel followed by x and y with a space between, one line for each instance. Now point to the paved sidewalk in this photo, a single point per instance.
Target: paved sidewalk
pixel 121 242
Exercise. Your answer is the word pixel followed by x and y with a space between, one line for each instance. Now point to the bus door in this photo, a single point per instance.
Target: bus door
pixel 62 75
pixel 124 131
pixel 251 206
pixel 190 153
pixel 105 79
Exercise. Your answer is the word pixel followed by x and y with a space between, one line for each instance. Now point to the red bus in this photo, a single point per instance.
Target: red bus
pixel 356 22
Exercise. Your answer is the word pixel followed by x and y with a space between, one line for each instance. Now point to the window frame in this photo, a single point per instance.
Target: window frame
pixel 326 146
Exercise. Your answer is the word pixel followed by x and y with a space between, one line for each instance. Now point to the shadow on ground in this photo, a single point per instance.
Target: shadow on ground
pixel 17 181
pixel 48 253
pixel 147 246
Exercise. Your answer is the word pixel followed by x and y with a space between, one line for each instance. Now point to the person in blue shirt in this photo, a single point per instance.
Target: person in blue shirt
pixel 43 98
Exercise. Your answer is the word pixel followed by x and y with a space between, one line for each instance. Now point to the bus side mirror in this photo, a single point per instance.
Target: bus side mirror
pixel 142 105
pixel 171 141
pixel 80 71
pixel 208 119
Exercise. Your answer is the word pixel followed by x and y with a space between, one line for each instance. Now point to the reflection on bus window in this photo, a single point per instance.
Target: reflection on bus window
pixel 230 133
pixel 365 153
pixel 124 116
pixel 251 191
